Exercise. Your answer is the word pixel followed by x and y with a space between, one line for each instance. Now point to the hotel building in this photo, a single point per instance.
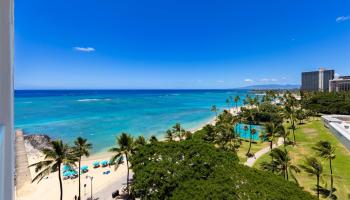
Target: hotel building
pixel 340 84
pixel 316 80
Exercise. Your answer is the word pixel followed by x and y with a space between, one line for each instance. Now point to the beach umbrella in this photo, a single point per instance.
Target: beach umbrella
pixel 66 168
pixel 84 168
pixel 104 162
pixel 96 163
pixel 67 173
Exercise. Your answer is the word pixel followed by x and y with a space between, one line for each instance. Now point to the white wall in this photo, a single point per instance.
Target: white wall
pixel 6 101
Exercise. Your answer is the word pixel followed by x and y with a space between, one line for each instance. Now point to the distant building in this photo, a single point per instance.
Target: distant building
pixel 316 80
pixel 340 84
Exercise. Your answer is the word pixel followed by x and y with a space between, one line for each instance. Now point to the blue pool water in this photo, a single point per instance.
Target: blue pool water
pixel 100 115
pixel 246 134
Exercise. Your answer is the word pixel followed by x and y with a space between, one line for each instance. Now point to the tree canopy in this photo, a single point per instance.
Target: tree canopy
pixel 193 169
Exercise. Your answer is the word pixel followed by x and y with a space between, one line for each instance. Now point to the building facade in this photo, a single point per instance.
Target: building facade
pixel 316 80
pixel 340 84
pixel 6 101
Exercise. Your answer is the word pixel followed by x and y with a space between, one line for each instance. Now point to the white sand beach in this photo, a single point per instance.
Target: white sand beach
pixel 48 188
pixel 103 185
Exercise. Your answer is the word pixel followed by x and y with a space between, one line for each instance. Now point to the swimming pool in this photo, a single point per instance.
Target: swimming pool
pixel 246 134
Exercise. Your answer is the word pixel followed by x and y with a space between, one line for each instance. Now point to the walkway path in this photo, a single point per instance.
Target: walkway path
pixel 250 162
pixel 23 176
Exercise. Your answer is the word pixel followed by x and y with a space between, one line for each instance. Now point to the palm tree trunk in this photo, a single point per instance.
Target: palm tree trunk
pixel 127 176
pixel 331 169
pixel 318 186
pixel 79 196
pixel 293 127
pixel 60 180
pixel 250 139
pixel 270 145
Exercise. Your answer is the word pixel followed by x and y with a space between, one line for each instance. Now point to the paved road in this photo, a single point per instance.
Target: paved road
pixel 106 193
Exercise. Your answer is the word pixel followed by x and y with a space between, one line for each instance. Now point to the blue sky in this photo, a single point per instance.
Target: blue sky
pixel 114 44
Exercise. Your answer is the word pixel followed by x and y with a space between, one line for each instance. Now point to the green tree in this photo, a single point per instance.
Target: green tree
pixel 215 110
pixel 81 148
pixel 139 142
pixel 290 104
pixel 125 148
pixel 228 103
pixel 271 130
pixel 193 169
pixel 169 136
pixel 178 131
pixel 236 100
pixel 251 133
pixel 59 154
pixel 314 167
pixel 281 164
pixel 326 151
pixel 153 139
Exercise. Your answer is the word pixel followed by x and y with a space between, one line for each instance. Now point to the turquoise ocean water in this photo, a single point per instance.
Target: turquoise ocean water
pixel 100 115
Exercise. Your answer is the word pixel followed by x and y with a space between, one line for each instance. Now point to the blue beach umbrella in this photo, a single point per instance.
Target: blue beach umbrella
pixel 96 164
pixel 84 168
pixel 67 173
pixel 66 168
pixel 104 162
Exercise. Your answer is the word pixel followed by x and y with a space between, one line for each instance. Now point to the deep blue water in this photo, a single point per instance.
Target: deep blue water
pixel 100 115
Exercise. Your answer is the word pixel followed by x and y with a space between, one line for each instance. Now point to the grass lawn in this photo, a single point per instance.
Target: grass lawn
pixel 243 149
pixel 306 136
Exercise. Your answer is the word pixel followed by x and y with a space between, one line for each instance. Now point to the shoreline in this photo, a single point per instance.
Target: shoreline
pixel 106 183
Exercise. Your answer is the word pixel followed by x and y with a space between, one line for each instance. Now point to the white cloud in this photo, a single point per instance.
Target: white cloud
pixel 342 18
pixel 336 75
pixel 248 80
pixel 84 49
pixel 268 80
pixel 220 81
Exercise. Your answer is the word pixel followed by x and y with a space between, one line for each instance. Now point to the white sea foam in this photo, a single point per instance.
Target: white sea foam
pixel 90 100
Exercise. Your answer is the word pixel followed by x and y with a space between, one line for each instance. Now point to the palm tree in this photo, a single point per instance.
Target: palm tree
pixel 54 157
pixel 245 128
pixel 139 142
pixel 281 164
pixel 215 110
pixel 314 168
pixel 169 135
pixel 153 139
pixel 237 98
pixel 290 102
pixel 178 131
pixel 186 134
pixel 281 131
pixel 271 131
pixel 81 148
pixel 228 103
pixel 125 148
pixel 327 151
pixel 252 132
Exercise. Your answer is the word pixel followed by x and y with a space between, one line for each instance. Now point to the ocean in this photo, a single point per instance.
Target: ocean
pixel 101 115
